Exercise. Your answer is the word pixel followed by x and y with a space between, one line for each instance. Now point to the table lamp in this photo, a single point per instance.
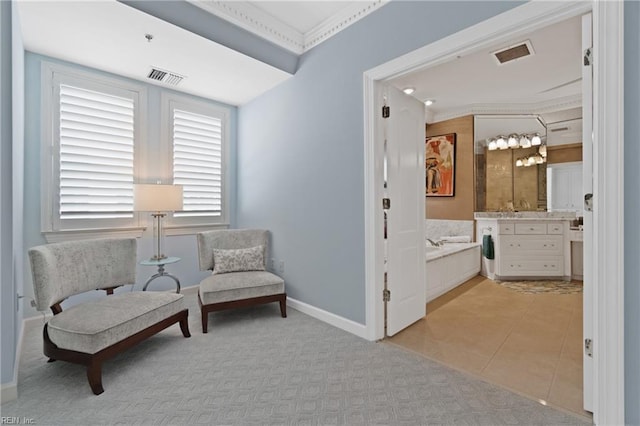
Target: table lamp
pixel 158 199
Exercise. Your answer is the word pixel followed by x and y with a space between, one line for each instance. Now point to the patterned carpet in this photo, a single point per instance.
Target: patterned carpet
pixel 256 368
pixel 536 287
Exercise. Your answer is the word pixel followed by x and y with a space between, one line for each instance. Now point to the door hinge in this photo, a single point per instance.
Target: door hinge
pixel 386 203
pixel 588 202
pixel 588 57
pixel 386 111
pixel 588 347
pixel 386 295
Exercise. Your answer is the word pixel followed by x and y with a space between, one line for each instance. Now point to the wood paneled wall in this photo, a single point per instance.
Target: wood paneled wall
pixel 564 153
pixel 461 205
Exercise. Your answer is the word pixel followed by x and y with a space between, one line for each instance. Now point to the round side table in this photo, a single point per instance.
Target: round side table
pixel 161 272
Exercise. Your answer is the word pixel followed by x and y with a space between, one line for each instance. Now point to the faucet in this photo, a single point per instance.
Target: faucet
pixel 433 243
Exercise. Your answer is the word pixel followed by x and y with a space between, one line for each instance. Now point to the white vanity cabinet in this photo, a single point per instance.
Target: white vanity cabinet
pixel 533 249
pixel 527 248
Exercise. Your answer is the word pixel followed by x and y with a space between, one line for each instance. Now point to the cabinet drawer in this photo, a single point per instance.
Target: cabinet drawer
pixel 555 228
pixel 532 267
pixel 531 228
pixel 513 245
pixel 505 228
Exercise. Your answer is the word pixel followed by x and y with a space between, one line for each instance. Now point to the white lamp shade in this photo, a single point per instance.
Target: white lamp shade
pixel 536 140
pixel 157 198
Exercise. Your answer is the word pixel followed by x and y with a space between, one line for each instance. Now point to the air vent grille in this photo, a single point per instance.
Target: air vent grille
pixel 165 77
pixel 514 52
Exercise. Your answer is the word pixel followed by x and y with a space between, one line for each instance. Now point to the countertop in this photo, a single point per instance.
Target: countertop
pixel 525 216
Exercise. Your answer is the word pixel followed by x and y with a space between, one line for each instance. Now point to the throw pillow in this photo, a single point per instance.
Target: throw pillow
pixel 238 260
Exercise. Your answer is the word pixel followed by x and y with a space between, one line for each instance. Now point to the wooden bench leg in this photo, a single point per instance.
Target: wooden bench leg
pixel 94 374
pixel 283 306
pixel 205 320
pixel 184 326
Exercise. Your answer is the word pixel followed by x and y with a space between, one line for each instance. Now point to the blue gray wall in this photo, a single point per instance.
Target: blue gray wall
pixel 300 152
pixel 8 291
pixel 632 210
pixel 181 246
pixel 11 193
pixel 300 162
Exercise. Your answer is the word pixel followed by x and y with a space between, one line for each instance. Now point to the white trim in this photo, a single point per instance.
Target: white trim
pixel 262 24
pixel 8 392
pixel 87 234
pixel 50 73
pixel 559 104
pixel 256 21
pixel 341 20
pixel 608 171
pixel 168 102
pixel 193 229
pixel 608 216
pixel 332 319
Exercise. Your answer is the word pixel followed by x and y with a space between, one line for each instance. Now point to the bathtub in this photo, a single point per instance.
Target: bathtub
pixel 450 265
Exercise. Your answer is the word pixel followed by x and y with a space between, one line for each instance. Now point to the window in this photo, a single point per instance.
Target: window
pixel 91 131
pixel 94 149
pixel 96 155
pixel 198 137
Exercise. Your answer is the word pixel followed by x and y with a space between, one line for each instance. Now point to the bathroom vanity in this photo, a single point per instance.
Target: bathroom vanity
pixel 527 245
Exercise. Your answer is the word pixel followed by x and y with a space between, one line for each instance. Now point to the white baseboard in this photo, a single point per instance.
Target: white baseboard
pixel 342 323
pixel 8 392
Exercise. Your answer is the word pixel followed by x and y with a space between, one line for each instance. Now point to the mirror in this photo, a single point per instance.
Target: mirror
pixel 510 178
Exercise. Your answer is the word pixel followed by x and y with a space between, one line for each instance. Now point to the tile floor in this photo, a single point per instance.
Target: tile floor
pixel 529 343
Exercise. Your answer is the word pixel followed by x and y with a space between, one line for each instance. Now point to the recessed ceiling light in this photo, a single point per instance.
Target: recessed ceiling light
pixel 408 90
pixel 429 102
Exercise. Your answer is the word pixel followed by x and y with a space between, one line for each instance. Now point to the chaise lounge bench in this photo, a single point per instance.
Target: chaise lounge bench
pixel 91 332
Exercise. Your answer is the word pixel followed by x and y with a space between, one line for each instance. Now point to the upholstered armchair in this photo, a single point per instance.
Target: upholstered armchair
pixel 237 259
pixel 91 332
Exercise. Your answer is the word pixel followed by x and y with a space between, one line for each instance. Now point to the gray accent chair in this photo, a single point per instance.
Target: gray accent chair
pixel 229 290
pixel 91 332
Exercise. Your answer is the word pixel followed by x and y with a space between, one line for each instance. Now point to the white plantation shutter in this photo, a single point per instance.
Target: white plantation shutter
pixel 197 162
pixel 96 155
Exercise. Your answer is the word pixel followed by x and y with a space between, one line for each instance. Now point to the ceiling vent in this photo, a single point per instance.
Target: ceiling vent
pixel 511 53
pixel 166 77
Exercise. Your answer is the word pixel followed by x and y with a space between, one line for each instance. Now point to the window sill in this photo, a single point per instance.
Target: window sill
pixel 136 232
pixel 172 230
pixel 86 234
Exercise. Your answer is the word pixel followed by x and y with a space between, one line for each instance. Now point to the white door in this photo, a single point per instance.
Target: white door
pixel 404 138
pixel 588 295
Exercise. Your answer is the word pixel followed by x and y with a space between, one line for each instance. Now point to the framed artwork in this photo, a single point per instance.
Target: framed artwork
pixel 440 165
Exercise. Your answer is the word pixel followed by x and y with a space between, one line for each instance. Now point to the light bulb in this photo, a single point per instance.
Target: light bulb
pixel 513 141
pixel 502 144
pixel 492 145
pixel 524 142
pixel 535 140
pixel 519 162
pixel 543 151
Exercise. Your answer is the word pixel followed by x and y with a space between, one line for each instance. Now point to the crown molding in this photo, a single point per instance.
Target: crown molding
pixel 253 19
pixel 341 20
pixel 553 105
pixel 250 18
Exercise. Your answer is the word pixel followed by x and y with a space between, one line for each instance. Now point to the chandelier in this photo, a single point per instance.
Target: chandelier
pixel 524 140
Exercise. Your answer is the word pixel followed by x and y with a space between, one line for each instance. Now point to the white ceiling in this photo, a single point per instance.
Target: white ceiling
pixel 109 36
pixel 547 80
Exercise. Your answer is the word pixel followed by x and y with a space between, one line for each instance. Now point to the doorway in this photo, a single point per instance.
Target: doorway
pixel 607 262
